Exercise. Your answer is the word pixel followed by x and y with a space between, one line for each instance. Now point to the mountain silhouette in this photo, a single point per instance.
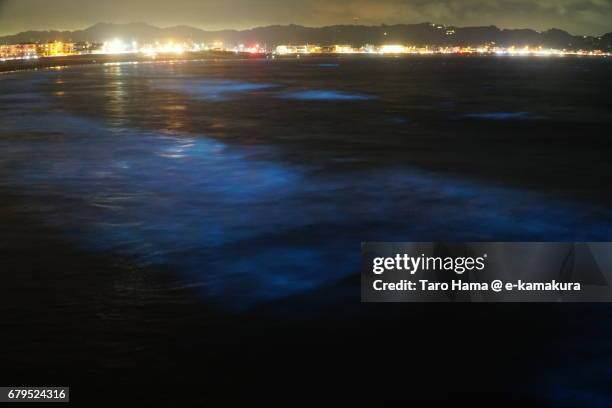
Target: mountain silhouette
pixel 356 35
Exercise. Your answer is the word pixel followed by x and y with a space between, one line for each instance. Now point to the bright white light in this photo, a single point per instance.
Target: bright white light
pixel 171 48
pixel 392 49
pixel 115 47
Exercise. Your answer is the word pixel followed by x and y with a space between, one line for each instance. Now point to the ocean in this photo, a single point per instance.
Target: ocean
pixel 209 215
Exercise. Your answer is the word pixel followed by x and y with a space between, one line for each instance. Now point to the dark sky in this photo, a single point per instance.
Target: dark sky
pixel 576 16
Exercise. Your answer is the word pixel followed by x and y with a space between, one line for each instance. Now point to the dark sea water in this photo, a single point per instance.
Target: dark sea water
pixel 155 210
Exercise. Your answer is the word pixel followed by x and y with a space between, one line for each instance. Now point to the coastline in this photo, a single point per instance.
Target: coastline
pixel 100 59
pixel 96 59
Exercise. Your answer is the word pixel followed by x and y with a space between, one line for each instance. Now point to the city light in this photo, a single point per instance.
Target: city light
pixel 170 47
pixel 118 46
pixel 253 49
pixel 396 49
pixel 115 47
pixel 393 49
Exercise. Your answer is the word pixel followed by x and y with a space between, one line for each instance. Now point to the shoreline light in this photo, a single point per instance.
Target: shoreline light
pixel 117 46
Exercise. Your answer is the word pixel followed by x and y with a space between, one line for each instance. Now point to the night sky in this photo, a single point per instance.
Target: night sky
pixel 577 16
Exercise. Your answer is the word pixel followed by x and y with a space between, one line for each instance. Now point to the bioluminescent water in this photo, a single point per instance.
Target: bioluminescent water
pixel 202 221
pixel 327 95
pixel 187 167
pixel 210 89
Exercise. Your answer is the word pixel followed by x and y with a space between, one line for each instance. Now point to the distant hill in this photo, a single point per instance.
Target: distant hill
pixel 356 35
